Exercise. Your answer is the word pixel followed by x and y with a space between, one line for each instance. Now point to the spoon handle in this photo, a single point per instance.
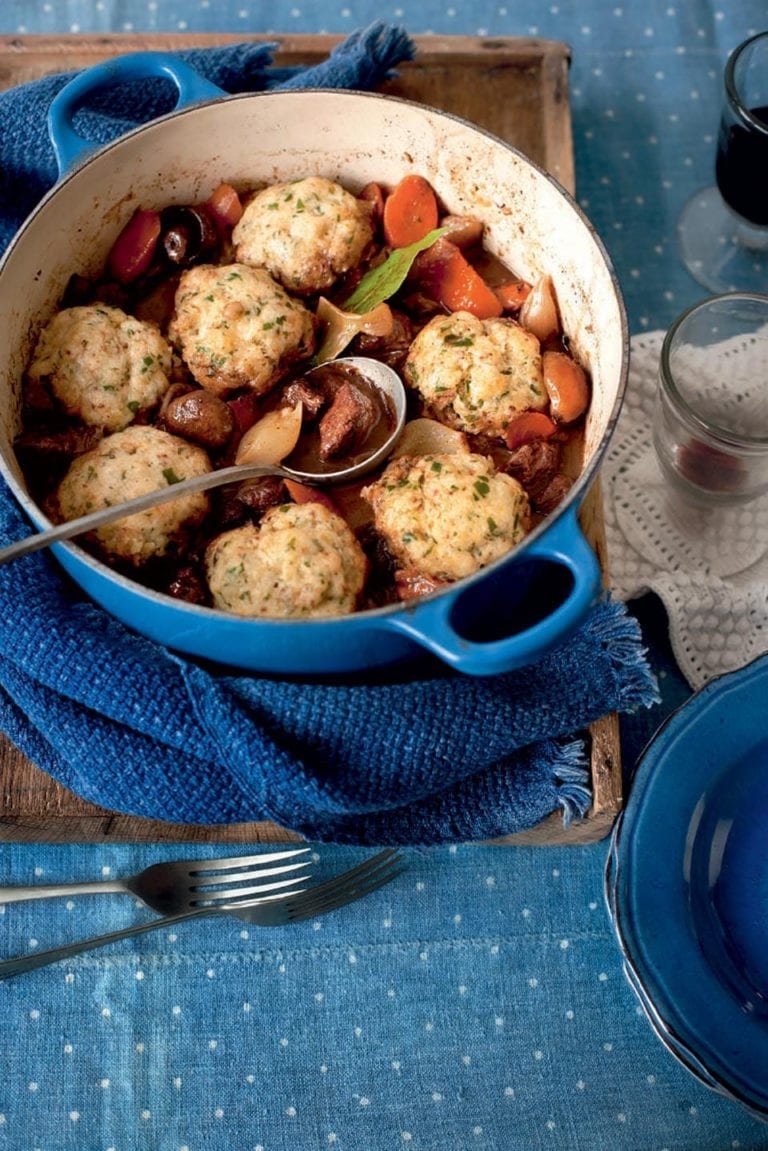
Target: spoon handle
pixel 97 519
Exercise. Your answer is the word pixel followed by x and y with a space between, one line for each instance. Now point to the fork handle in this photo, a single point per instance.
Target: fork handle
pixel 10 967
pixel 48 891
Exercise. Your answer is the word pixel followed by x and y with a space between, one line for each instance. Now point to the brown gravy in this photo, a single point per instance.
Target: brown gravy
pixel 308 455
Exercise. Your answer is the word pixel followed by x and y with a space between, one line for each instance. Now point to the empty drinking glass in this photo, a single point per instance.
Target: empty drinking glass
pixel 710 426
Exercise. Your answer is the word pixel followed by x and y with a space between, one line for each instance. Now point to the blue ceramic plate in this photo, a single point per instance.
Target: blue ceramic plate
pixel 687 884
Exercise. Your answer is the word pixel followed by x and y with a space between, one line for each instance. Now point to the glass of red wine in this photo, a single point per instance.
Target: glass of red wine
pixel 723 230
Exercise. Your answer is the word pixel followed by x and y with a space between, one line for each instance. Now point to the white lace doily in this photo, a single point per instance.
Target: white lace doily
pixel 709 567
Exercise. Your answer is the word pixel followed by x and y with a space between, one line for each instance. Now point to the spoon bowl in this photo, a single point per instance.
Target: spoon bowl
pixel 387 382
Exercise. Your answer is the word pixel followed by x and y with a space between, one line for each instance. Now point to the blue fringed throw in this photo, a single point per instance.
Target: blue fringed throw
pixel 128 725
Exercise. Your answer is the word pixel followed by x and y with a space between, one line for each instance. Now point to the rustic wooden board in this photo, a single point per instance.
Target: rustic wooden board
pixel 516 88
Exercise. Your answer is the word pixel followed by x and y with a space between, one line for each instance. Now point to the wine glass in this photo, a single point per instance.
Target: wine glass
pixel 723 230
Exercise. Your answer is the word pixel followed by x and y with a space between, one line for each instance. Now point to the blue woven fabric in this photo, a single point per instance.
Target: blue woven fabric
pixel 420 761
pixel 424 760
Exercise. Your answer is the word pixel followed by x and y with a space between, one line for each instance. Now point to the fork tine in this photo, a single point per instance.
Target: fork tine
pixel 199 866
pixel 299 910
pixel 354 873
pixel 230 898
pixel 350 879
pixel 345 885
pixel 331 887
pixel 224 881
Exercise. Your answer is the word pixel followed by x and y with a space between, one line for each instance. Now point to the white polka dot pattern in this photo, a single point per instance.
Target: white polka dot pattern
pixel 487 1015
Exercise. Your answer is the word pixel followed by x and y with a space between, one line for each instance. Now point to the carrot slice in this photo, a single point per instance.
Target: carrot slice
pixel 513 294
pixel 225 205
pixel 448 277
pixel 410 211
pixel 134 249
pixel 529 426
pixel 306 494
pixel 567 386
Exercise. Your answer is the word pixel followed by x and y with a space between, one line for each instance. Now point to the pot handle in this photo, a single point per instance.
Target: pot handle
pixel 430 624
pixel 68 145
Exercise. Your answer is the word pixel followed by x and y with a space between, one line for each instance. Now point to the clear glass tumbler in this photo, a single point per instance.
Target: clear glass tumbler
pixel 711 420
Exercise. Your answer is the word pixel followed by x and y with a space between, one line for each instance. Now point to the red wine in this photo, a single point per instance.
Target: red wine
pixel 742 167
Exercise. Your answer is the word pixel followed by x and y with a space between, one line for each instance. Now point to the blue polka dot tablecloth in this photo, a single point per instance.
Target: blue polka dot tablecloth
pixel 478 1003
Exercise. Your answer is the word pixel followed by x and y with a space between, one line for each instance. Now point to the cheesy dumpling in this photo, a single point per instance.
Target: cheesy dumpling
pixel 301 560
pixel 236 328
pixel 447 516
pixel 101 365
pixel 306 234
pixel 131 463
pixel 475 375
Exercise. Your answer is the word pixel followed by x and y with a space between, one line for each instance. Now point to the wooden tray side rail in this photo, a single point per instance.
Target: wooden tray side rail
pixel 517 89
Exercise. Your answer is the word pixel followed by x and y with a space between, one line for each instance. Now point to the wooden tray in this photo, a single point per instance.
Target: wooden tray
pixel 516 88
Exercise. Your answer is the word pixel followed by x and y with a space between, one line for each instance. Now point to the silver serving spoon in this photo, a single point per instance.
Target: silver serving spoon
pixel 377 373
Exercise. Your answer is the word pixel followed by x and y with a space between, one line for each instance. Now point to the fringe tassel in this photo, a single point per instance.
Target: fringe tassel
pixel 571 772
pixel 620 635
pixel 361 61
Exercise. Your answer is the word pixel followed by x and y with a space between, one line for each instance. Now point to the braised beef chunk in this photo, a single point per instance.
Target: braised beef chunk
pixel 45 453
pixel 64 443
pixel 391 349
pixel 380 588
pixel 550 497
pixel 537 467
pixel 246 502
pixel 347 422
pixel 228 511
pixel 302 392
pixel 534 464
pixel 39 404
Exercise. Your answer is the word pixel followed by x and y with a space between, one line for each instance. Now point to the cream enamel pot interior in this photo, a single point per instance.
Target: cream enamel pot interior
pixel 482 625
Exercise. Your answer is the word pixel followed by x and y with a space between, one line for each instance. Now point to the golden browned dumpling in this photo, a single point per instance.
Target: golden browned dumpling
pixel 300 560
pixel 237 328
pixel 446 516
pixel 131 463
pixel 476 374
pixel 101 365
pixel 306 234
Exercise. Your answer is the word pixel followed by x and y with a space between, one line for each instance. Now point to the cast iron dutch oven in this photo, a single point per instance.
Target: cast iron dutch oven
pixel 506 615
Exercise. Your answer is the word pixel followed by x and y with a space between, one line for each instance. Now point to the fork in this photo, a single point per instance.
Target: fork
pixel 185 883
pixel 273 911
